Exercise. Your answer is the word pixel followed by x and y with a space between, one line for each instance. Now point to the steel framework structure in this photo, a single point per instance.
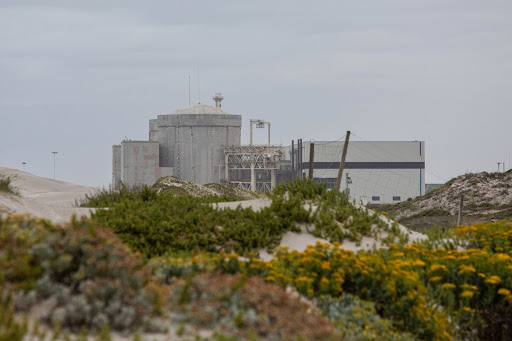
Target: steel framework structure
pixel 253 158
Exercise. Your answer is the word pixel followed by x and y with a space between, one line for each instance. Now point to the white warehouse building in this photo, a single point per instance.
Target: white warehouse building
pixel 375 171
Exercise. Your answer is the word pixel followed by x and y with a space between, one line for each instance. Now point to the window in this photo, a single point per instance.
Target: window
pixel 375 198
pixel 396 198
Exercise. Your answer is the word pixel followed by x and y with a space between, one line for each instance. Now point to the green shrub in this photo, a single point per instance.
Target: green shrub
pixel 358 320
pixel 169 223
pixel 6 185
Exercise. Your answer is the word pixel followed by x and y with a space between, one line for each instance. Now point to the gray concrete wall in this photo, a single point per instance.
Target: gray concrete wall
pixel 192 144
pixel 166 171
pixel 153 130
pixel 116 166
pixel 139 163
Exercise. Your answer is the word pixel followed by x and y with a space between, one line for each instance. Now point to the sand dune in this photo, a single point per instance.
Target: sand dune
pixel 42 197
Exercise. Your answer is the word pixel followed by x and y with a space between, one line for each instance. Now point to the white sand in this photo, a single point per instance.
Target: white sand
pixel 256 204
pixel 43 197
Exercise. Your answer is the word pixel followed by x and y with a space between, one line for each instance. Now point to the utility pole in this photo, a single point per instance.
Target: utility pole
pixel 54 153
pixel 299 157
pixel 311 159
pixel 459 219
pixel 342 163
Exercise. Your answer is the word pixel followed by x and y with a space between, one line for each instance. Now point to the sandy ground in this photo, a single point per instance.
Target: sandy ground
pixel 256 204
pixel 43 197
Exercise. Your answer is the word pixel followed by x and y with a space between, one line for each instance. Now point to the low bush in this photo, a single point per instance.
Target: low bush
pixel 6 185
pixel 358 320
pixel 239 305
pixel 82 273
pixel 108 197
pixel 171 223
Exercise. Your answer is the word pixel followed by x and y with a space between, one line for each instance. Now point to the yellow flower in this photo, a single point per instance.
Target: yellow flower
pixel 435 279
pixel 503 291
pixel 448 286
pixel 502 257
pixel 469 287
pixel 481 275
pixel 467 294
pixel 466 269
pixel 435 267
pixel 324 281
pixel 468 309
pixel 326 265
pixel 418 262
pixel 270 278
pixel 492 280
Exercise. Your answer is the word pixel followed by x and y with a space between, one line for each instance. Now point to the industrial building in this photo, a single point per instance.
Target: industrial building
pixel 188 143
pixel 375 171
pixel 202 143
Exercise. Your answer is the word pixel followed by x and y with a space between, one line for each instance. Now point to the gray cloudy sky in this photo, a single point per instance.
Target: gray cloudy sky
pixel 78 76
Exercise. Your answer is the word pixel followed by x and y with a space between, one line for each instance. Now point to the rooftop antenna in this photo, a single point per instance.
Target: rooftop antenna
pixel 198 87
pixel 189 89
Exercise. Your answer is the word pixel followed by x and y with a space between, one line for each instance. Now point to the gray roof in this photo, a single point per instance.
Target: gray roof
pixel 200 109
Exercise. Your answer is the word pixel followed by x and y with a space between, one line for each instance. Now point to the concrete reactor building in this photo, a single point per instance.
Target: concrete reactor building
pixel 188 143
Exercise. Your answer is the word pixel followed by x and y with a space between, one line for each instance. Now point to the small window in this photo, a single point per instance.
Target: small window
pixel 376 198
pixel 396 198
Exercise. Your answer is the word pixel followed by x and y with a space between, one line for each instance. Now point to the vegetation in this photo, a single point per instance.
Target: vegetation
pixel 88 275
pixel 167 223
pixel 10 329
pixel 434 293
pixel 244 304
pixel 199 268
pixel 6 185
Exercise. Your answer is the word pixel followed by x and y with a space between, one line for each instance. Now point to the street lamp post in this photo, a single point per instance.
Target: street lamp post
pixel 54 153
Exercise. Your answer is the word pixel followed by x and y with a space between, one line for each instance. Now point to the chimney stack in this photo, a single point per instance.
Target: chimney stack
pixel 218 99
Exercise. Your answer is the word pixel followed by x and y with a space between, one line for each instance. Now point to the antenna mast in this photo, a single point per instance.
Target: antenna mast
pixel 198 87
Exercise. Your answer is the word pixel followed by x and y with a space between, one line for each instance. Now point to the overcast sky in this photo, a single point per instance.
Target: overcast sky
pixel 77 77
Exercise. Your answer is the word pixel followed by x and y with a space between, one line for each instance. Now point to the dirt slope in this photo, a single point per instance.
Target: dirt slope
pixel 487 197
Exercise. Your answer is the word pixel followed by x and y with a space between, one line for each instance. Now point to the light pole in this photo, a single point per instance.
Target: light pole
pixel 54 153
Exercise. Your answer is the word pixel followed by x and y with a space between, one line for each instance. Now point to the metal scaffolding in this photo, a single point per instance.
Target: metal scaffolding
pixel 256 159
